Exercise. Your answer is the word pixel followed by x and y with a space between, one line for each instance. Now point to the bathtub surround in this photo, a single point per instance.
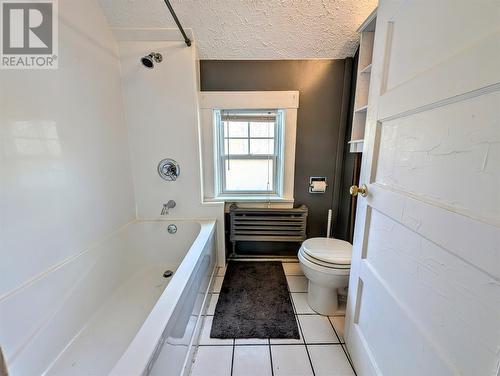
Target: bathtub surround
pixel 65 160
pixel 246 286
pixel 161 107
pixel 65 179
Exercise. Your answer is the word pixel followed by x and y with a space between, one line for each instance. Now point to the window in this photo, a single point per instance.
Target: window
pixel 249 152
pixel 273 181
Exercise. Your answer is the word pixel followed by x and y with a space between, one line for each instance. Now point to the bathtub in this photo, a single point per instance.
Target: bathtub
pixel 110 310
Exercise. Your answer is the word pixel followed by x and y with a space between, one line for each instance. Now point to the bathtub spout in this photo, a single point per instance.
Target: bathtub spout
pixel 169 205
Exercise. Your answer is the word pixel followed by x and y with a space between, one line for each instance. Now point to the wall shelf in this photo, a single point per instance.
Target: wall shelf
pixel 367 69
pixel 367 31
pixel 361 109
pixel 356 146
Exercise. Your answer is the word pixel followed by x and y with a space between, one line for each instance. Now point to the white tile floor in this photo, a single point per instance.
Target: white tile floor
pixel 320 350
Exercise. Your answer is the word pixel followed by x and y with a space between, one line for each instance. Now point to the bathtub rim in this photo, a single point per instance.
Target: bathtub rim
pixel 136 358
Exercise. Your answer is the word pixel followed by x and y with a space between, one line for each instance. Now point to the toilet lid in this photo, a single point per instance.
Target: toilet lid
pixel 332 251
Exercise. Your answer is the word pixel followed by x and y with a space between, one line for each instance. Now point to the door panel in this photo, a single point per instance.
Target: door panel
pixel 426 35
pixel 446 155
pixel 424 292
pixel 451 299
pixel 380 307
pixel 470 240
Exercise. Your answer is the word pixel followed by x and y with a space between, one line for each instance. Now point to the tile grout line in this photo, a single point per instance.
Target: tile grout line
pixel 335 330
pixel 342 345
pixel 312 344
pixel 300 329
pixel 307 349
pixel 349 359
pixel 317 314
pixel 211 293
pixel 232 358
pixel 276 344
pixel 270 356
pixel 303 342
pixel 297 314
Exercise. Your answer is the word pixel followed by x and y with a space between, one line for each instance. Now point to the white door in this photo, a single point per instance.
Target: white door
pixel 424 293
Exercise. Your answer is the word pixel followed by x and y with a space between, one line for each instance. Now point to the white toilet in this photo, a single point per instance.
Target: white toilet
pixel 326 263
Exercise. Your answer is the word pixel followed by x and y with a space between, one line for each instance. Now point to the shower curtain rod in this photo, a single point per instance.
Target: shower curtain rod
pixel 174 16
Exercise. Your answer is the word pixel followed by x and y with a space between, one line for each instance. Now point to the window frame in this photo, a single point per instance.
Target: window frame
pixel 277 157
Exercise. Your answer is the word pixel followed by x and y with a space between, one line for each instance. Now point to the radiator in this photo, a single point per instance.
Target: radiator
pixel 268 224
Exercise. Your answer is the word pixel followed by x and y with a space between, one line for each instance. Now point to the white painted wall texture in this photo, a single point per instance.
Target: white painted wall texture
pixel 161 105
pixel 66 179
pixel 65 172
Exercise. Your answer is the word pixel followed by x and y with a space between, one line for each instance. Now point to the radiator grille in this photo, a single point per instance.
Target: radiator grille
pixel 278 225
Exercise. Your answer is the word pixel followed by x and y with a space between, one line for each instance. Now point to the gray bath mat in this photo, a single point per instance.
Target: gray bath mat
pixel 254 303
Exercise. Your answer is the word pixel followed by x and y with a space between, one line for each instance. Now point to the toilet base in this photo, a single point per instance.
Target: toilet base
pixel 322 299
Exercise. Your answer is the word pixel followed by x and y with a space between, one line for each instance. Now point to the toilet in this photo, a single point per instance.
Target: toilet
pixel 326 263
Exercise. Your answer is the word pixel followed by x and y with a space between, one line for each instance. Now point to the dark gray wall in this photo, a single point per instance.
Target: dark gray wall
pixel 350 173
pixel 323 100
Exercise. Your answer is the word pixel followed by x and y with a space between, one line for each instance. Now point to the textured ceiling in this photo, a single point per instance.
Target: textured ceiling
pixel 254 29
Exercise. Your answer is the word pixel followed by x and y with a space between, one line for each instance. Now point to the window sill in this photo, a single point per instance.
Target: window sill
pixel 249 199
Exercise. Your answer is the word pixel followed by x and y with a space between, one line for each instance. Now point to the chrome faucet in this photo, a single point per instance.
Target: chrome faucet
pixel 169 205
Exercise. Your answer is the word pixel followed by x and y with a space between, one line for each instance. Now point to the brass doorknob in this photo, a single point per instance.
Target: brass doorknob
pixel 354 190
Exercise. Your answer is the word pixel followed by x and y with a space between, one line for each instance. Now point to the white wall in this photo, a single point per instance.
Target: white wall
pixel 162 117
pixel 64 159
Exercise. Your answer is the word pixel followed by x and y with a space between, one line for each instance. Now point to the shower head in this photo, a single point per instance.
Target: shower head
pixel 149 60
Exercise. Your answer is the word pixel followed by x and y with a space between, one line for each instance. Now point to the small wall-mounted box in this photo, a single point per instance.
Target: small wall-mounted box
pixel 317 184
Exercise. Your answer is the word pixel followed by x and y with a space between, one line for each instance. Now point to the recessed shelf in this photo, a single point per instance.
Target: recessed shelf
pixel 366 69
pixel 367 31
pixel 356 146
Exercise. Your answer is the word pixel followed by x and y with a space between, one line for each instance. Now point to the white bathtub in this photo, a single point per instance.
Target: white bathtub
pixel 109 310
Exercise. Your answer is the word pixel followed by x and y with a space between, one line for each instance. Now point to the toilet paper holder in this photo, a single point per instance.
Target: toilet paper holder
pixel 317 184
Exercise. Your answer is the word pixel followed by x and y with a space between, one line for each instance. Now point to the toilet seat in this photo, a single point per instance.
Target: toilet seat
pixel 327 252
pixel 326 263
